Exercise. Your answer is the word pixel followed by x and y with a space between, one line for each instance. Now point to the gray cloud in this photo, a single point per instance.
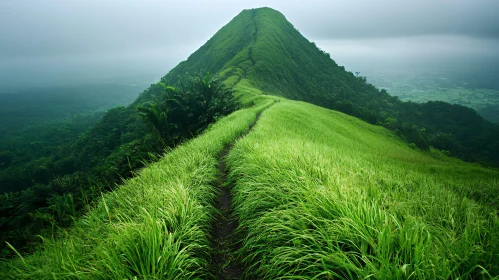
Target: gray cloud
pixel 155 35
pixel 59 26
pixel 389 18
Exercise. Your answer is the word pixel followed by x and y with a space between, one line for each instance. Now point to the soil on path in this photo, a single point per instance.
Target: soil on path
pixel 225 244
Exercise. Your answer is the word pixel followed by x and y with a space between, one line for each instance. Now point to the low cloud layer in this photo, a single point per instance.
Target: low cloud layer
pixel 390 18
pixel 105 37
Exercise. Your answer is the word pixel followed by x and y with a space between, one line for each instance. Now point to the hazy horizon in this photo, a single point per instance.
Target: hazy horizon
pixel 61 43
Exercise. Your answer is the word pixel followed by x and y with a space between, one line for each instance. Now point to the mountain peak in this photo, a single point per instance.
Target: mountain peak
pixel 259 45
pixel 268 10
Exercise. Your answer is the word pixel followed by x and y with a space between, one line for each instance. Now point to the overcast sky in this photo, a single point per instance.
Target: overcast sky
pixel 102 39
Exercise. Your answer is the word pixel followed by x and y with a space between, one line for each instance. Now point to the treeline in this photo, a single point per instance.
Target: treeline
pixel 314 77
pixel 50 191
pixel 25 153
pixel 456 130
pixel 48 104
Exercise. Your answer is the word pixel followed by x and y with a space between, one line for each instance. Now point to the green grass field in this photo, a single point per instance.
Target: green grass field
pixel 314 193
pixel 155 226
pixel 322 195
pixel 318 195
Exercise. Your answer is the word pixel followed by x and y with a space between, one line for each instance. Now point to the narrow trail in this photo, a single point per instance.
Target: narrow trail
pixel 225 264
pixel 255 33
pixel 250 49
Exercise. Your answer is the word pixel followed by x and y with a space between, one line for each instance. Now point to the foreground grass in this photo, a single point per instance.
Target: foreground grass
pixel 318 195
pixel 322 195
pixel 155 226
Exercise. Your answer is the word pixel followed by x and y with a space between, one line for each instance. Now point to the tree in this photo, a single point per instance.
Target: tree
pixel 6 158
pixel 181 112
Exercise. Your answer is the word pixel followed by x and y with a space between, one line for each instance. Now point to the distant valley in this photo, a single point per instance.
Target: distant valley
pixel 481 94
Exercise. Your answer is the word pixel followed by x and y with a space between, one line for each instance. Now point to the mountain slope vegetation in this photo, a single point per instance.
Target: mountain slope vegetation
pixel 56 187
pixel 154 226
pixel 261 46
pixel 323 195
pixel 316 193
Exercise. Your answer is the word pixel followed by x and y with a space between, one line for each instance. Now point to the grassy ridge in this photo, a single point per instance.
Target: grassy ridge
pixel 154 226
pixel 318 194
pixel 262 46
pixel 321 195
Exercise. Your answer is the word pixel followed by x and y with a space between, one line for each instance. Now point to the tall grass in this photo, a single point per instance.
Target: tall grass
pixel 320 195
pixel 155 226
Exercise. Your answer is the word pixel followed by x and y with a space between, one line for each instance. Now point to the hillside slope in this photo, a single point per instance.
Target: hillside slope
pixel 155 226
pixel 317 194
pixel 322 195
pixel 261 46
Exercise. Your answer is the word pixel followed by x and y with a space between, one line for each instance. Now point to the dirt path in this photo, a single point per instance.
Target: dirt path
pixel 225 264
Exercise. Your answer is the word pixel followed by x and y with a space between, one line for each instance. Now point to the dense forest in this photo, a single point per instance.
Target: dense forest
pixel 25 108
pixel 50 182
pixel 40 123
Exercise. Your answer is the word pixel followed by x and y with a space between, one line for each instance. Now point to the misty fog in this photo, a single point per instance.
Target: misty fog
pixel 140 66
pixel 405 54
pixel 417 54
pixel 60 42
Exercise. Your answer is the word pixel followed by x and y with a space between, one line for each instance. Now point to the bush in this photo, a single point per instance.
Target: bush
pixel 182 112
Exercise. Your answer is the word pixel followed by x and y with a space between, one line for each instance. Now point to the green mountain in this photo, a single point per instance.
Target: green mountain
pixel 284 189
pixel 262 47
